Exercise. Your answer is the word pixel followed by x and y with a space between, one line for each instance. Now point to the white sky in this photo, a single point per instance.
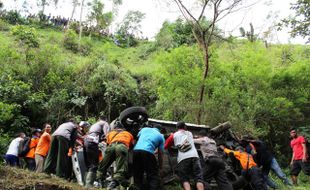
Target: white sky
pixel 157 11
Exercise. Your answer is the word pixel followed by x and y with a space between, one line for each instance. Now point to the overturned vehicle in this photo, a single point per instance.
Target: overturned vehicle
pixel 135 118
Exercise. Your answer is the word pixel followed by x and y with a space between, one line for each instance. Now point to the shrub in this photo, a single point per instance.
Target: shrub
pixel 26 35
pixel 71 41
pixel 86 47
pixel 4 26
pixel 13 17
pixel 4 143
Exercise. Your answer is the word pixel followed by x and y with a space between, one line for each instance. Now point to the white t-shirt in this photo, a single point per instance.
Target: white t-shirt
pixel 178 139
pixel 14 145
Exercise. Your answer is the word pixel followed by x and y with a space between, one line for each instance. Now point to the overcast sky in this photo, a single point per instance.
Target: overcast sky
pixel 157 11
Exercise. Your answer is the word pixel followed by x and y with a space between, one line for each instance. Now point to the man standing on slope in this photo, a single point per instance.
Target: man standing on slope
pixel 57 160
pixel 300 157
pixel 43 147
pixel 29 158
pixel 188 160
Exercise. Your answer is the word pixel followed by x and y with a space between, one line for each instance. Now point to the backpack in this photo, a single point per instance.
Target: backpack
pixel 24 147
pixel 185 145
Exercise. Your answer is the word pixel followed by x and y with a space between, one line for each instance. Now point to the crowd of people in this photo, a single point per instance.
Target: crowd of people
pixel 50 153
pixel 61 22
pixel 57 21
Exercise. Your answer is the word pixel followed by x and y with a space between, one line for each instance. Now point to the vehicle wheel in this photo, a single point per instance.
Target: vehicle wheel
pixel 220 128
pixel 239 183
pixel 132 116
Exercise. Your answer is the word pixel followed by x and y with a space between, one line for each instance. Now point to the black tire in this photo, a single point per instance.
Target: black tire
pixel 240 183
pixel 137 115
pixel 220 128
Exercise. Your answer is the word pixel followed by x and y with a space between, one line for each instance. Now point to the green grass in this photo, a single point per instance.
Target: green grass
pixel 303 182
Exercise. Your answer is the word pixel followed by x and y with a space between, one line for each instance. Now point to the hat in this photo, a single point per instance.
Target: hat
pixel 36 131
pixel 84 124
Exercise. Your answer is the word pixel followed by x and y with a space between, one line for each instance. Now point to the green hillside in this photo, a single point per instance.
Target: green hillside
pixel 47 77
pixel 260 90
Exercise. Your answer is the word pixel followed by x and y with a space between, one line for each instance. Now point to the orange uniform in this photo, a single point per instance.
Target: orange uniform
pixel 243 157
pixel 32 147
pixel 70 152
pixel 43 144
pixel 123 137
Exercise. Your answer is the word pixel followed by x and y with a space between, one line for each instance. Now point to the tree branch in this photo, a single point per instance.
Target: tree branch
pixel 203 9
pixel 186 10
pixel 232 6
pixel 182 8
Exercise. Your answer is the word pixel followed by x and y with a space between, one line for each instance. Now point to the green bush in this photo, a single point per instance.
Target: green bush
pixel 26 35
pixel 125 40
pixel 86 47
pixel 4 143
pixel 6 112
pixel 4 26
pixel 13 17
pixel 71 41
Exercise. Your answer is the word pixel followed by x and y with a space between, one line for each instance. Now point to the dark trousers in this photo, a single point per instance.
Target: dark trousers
pixel 215 168
pixel 91 154
pixel 117 152
pixel 254 175
pixel 57 160
pixel 30 163
pixel 11 160
pixel 144 161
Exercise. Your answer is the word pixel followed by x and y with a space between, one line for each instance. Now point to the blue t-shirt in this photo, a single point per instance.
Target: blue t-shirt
pixel 149 140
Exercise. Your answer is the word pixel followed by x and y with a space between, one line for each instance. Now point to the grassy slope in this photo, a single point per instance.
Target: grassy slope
pixel 135 61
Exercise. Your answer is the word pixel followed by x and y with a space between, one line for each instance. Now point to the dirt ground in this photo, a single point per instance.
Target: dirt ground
pixel 19 179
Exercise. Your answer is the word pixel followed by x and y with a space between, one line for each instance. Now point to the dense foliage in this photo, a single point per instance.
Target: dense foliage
pixel 46 77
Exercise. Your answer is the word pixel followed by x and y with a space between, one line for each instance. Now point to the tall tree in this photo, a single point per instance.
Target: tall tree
pixel 300 22
pixel 250 35
pixel 75 3
pixel 81 25
pixel 130 28
pixel 219 10
pixel 44 3
pixel 102 20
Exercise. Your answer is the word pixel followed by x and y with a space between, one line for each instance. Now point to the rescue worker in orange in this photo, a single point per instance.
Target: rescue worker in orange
pixel 29 158
pixel 43 147
pixel 249 167
pixel 119 141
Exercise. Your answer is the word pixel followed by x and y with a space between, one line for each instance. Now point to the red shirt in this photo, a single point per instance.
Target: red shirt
pixel 169 142
pixel 296 145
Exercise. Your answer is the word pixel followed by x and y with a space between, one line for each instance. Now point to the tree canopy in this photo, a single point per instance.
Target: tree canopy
pixel 300 22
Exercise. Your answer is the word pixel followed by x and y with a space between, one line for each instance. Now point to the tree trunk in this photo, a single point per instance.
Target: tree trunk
pixel 43 8
pixel 202 88
pixel 73 11
pixel 81 26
